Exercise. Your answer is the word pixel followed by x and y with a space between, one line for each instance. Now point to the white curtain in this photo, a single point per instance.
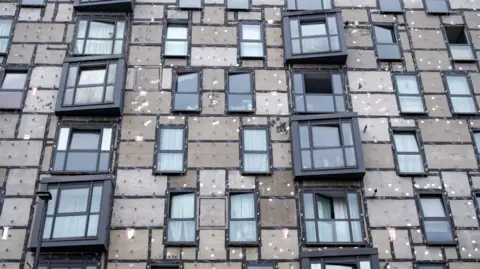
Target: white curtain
pixel 342 230
pixel 102 31
pixel 336 229
pixel 72 226
pixel 88 95
pixel 171 139
pixel 354 214
pixel 255 140
pixel 243 207
pixel 458 85
pixel 408 162
pixel 183 207
pixel 5 27
pixel 98 47
pixel 71 201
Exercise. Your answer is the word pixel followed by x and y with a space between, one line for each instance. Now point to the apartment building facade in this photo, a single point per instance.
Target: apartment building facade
pixel 240 134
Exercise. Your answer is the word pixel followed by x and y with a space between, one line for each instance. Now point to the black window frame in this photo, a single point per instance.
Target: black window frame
pixel 256 197
pixel 65 263
pixel 112 19
pixel 185 71
pixel 398 94
pixel 268 150
pixel 247 8
pixel 421 151
pixel 386 9
pixel 287 7
pixel 332 57
pixel 183 7
pixel 165 265
pixel 110 109
pixel 437 12
pixel 382 50
pixel 177 23
pixel 430 265
pixel 320 191
pixel 341 173
pixel 435 194
pixel 168 203
pixel 476 144
pixel 350 256
pixel 471 95
pixel 295 93
pixel 101 242
pixel 228 93
pixel 476 198
pixel 158 151
pixel 19 94
pixel 32 5
pixel 467 45
pixel 10 36
pixel 104 6
pixel 261 25
pixel 77 126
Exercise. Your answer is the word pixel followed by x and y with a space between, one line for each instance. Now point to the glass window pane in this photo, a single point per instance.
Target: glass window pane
pixel 63 139
pixel 255 140
pixel 170 162
pixel 339 103
pixel 92 76
pixel 458 85
pixel 171 139
pixel 313 29
pixel 72 226
pixel 410 163
pixel 320 103
pixel 238 4
pixel 120 29
pixel 350 156
pixel 304 137
pixel 106 138
pixel 88 95
pixel 47 228
pixel 242 231
pixel 98 47
pixel 242 206
pixel 251 32
pixel 239 83
pixel 240 102
pixel 384 35
pixel 52 203
pixel 101 29
pixel 256 162
pixel 112 70
pixel 356 231
pixel 366 264
pixel 104 161
pixel 347 134
pixel 3 44
pixel 92 225
pixel 82 29
pixel 334 43
pixel 82 161
pixel 296 46
pixel 311 231
pixel 294 28
pixel 463 105
pixel 461 52
pixel 325 136
pixel 72 76
pixel 337 84
pixel 118 47
pixel 328 158
pixel 181 231
pixel 332 25
pixel 84 140
pixel 186 102
pixel 187 82
pixel 68 97
pixel 182 206
pixel 412 104
pixel 336 266
pixel 407 84
pixel 177 32
pixel 308 206
pixel 108 94
pixel 405 142
pixel 14 81
pixel 353 205
pixel 319 44
pixel 432 207
pixel 79 46
pixel 438 231
pixel 477 139
pixel 176 48
pixel 251 49
pixel 59 161
pixel 96 199
pixel 298 83
pixel 73 200
pixel 306 159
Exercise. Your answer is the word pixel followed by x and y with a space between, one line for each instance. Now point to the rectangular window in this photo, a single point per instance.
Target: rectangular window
pixel 176 43
pixel 436 223
pixel 238 4
pixel 123 6
pixel 181 221
pixel 99 37
pixel 5 31
pixel 477 198
pixel 32 3
pixel 386 43
pixel 171 147
pixel 251 40
pixel 314 36
pixel 68 264
pixel 318 92
pixel 309 5
pixel 240 92
pixel 83 149
pixel 332 216
pixel 390 6
pixel 256 153
pixel 12 90
pixel 476 140
pixel 436 6
pixel 462 99
pixel 409 156
pixel 186 96
pixel 243 221
pixel 430 266
pixel 458 43
pixel 408 93
pixel 190 4
pixel 360 258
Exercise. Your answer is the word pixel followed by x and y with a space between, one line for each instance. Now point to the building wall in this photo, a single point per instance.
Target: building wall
pixel 41 39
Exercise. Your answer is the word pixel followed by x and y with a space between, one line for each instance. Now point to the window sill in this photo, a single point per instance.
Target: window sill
pixel 88 173
pixel 425 113
pixel 447 12
pixel 32 5
pixel 105 6
pixel 440 243
pixel 465 114
pixel 240 111
pixel 252 57
pixel 181 244
pixel 391 12
pixel 246 173
pixel 420 174
pixel 169 173
pixel 464 60
pixel 333 244
pixel 175 56
pixel 243 244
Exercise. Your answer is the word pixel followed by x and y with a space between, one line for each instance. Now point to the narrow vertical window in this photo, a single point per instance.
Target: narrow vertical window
pixel 461 96
pixel 12 89
pixel 458 43
pixel 387 43
pixel 99 37
pixel 171 149
pixel 251 40
pixel 309 5
pixel 181 223
pixel 243 222
pixel 256 156
pixel 436 224
pixel 408 93
pixel 409 157
pixel 240 92
pixel 5 30
pixel 176 44
pixel 314 36
pixel 186 96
